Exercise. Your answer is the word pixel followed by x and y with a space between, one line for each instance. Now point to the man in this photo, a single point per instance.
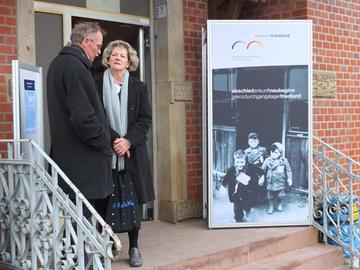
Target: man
pixel 80 133
pixel 241 181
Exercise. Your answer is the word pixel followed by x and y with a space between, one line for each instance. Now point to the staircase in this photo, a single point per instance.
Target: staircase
pixel 42 229
pixel 190 245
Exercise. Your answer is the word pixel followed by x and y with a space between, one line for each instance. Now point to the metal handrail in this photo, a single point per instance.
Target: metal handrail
pixel 31 196
pixel 335 199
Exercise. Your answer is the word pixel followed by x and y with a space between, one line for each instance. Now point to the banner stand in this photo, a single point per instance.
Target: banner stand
pixel 259 123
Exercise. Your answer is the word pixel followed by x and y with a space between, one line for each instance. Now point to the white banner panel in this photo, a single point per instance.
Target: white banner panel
pixel 259 123
pixel 259 43
pixel 28 103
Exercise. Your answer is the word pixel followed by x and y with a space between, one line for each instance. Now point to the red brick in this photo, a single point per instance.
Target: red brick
pixel 10 2
pixel 6 11
pixel 5 69
pixel 7 49
pixel 7 30
pixel 6 107
pixel 5 126
pixel 10 21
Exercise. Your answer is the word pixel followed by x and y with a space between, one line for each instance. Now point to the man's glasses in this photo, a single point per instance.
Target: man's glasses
pixel 99 46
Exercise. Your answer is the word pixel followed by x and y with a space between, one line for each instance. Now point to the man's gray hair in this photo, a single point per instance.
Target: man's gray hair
pixel 84 29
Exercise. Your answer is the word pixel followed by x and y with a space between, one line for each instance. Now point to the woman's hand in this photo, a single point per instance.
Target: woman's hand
pixel 121 147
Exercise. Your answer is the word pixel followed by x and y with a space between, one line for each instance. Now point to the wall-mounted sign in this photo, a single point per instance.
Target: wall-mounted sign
pixel 160 11
pixel 28 103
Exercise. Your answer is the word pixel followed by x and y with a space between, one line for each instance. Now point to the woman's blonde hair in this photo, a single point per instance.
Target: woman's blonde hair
pixel 132 54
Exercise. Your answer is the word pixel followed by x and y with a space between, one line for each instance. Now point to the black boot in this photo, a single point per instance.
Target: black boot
pixel 135 257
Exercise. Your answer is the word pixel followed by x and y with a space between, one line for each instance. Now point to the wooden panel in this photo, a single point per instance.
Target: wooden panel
pixel 297 154
pixel 224 139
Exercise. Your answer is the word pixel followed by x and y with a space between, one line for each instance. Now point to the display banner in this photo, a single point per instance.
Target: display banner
pixel 259 123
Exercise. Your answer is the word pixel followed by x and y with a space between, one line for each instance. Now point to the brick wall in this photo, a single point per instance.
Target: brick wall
pixel 195 16
pixel 275 10
pixel 8 51
pixel 336 51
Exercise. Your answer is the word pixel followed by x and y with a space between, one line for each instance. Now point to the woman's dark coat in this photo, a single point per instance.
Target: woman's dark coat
pixel 80 132
pixel 139 121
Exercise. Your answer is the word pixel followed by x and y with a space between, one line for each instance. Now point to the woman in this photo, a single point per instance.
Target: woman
pixel 128 109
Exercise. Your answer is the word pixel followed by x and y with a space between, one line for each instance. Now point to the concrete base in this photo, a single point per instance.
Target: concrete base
pixel 174 211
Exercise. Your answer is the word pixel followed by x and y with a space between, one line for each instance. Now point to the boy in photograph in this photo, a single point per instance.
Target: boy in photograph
pixel 255 153
pixel 277 173
pixel 241 181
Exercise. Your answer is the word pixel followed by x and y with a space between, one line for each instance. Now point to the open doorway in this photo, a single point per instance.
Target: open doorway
pixel 49 37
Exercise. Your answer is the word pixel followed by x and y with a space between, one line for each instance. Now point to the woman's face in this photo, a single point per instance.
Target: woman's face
pixel 118 60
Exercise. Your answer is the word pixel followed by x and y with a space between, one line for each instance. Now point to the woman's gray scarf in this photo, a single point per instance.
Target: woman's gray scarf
pixel 116 109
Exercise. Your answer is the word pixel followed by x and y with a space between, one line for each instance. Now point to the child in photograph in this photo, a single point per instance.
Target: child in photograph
pixel 277 173
pixel 240 180
pixel 255 153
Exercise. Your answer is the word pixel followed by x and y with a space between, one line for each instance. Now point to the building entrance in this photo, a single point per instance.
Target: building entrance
pixel 53 24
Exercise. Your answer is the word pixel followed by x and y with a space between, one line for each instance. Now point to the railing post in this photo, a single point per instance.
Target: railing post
pixel 324 189
pixel 354 260
pixel 80 246
pixel 338 209
pixel 32 211
pixel 5 235
pixel 56 216
pixel 11 192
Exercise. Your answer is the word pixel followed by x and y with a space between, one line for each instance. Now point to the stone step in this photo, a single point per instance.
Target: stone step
pixel 317 257
pixel 190 245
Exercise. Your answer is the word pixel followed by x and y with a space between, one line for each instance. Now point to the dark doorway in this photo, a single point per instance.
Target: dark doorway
pixel 263 116
pixel 130 34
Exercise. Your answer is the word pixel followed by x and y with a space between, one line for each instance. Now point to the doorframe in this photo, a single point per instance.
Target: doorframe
pixel 67 12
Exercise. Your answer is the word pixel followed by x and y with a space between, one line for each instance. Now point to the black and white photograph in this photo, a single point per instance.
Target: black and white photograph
pixel 260 145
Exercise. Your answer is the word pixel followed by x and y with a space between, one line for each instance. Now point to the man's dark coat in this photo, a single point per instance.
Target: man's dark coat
pixel 80 132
